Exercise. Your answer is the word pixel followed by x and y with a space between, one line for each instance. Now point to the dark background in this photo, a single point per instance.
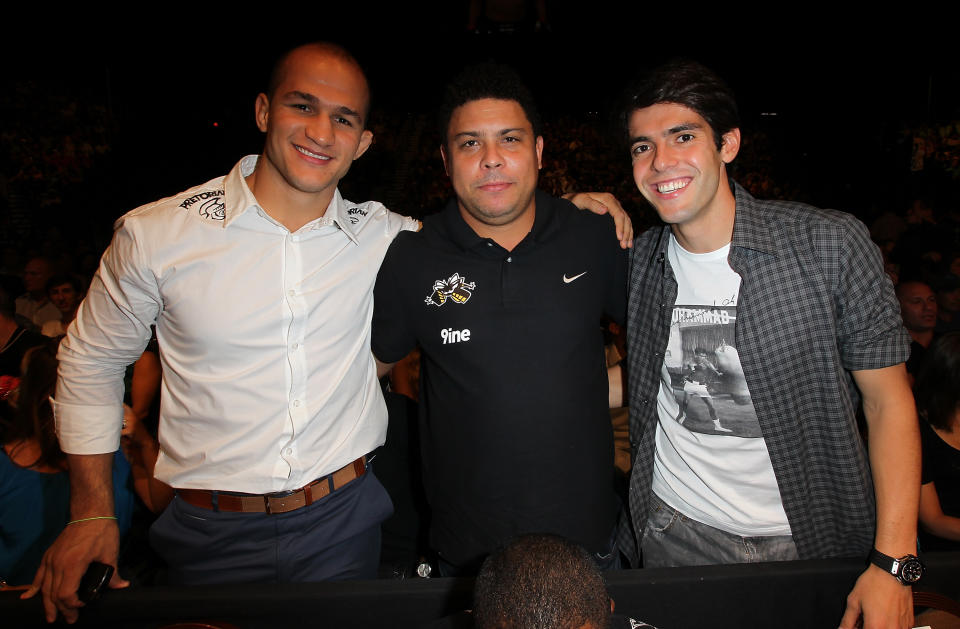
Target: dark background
pixel 164 94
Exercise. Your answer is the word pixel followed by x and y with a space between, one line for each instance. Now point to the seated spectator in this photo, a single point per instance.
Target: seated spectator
pixel 543 581
pixel 34 484
pixel 938 400
pixel 918 308
pixel 139 441
pixel 35 306
pixel 65 292
pixel 15 339
pixel 948 304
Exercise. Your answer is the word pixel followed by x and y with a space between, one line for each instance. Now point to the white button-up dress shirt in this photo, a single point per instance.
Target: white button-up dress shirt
pixel 268 378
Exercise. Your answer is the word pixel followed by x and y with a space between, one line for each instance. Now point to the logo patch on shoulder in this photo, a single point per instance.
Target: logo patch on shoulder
pixel 455 288
pixel 212 207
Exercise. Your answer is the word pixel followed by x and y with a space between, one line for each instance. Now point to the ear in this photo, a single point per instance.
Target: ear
pixel 730 145
pixel 539 152
pixel 366 139
pixel 443 156
pixel 262 111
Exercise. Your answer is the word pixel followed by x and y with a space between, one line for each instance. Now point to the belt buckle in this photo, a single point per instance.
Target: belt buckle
pixel 284 501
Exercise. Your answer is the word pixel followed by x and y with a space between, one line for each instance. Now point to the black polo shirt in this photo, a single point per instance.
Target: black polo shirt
pixel 513 389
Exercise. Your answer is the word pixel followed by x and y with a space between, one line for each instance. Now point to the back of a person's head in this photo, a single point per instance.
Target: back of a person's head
pixel 540 582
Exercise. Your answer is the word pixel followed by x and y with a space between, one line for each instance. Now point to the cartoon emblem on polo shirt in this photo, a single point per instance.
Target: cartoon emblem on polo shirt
pixel 455 288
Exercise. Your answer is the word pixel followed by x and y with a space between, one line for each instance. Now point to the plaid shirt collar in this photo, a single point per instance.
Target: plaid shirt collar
pixel 752 228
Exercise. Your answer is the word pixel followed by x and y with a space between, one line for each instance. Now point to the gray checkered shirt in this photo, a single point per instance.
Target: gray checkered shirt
pixel 814 305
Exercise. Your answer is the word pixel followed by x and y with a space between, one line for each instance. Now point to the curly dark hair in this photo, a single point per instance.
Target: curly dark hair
pixel 937 389
pixel 682 82
pixel 540 580
pixel 486 80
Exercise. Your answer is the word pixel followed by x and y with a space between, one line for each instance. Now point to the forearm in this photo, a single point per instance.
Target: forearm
pixel 932 517
pixel 894 446
pixel 615 382
pixel 945 526
pixel 91 485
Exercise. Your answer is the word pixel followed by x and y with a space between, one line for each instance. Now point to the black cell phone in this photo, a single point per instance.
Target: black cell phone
pixel 94 580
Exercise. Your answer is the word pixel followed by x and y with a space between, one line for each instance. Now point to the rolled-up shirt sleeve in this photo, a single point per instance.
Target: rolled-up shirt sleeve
pixel 111 330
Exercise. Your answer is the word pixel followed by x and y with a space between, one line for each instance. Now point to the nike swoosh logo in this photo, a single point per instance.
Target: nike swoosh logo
pixel 567 280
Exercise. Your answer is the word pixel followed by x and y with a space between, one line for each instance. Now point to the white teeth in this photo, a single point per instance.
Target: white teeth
pixel 308 153
pixel 670 186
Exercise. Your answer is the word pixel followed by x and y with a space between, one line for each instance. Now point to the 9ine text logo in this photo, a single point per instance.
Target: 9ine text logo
pixel 454 288
pixel 449 335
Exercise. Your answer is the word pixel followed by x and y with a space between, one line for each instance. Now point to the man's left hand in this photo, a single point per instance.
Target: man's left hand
pixel 883 601
pixel 605 203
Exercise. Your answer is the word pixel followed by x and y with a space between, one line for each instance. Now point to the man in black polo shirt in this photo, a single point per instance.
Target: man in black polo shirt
pixel 504 291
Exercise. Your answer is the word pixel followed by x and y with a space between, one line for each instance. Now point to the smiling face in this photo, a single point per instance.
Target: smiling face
pixel 679 170
pixel 314 123
pixel 492 157
pixel 64 297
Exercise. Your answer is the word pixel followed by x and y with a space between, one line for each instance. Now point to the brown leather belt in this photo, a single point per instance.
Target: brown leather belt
pixel 279 502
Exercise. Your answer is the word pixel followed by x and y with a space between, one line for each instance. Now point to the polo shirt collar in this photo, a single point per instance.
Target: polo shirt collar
pixel 544 222
pixel 751 225
pixel 240 200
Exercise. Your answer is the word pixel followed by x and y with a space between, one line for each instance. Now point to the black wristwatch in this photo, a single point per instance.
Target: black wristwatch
pixel 907 569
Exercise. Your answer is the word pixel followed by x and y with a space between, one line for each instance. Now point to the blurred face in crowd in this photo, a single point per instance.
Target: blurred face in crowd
pixel 314 121
pixel 678 169
pixel 65 297
pixel 36 274
pixel 949 300
pixel 918 306
pixel 492 157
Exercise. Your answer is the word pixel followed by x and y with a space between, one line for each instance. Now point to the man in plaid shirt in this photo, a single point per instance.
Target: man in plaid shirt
pixel 789 308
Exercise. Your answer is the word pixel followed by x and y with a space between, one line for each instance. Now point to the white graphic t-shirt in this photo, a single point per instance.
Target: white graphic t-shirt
pixel 711 462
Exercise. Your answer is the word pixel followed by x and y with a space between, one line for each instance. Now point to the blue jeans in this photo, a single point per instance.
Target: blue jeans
pixel 672 539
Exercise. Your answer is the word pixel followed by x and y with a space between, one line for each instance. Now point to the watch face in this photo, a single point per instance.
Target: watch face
pixel 911 570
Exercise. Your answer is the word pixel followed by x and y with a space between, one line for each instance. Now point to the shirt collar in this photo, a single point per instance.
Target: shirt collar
pixel 465 238
pixel 239 200
pixel 751 225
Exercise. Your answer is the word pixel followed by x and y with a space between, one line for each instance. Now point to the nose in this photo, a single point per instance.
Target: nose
pixel 491 157
pixel 320 130
pixel 664 158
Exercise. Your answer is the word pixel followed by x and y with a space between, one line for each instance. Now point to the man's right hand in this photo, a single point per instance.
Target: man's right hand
pixel 66 561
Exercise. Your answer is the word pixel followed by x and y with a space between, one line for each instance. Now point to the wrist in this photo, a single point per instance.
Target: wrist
pixel 907 569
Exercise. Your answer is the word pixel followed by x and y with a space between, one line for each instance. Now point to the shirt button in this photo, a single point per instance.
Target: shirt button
pixel 288 451
pixel 296 346
pixel 296 239
pixel 292 292
pixel 510 259
pixel 296 403
pixel 644 401
pixel 489 244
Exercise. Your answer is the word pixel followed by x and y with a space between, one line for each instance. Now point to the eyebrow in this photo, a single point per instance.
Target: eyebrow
pixel 686 126
pixel 501 132
pixel 313 100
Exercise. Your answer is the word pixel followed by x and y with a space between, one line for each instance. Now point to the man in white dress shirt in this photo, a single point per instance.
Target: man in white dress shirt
pixel 260 287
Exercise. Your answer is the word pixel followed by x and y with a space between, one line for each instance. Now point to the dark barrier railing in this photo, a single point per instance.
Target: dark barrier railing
pixel 800 594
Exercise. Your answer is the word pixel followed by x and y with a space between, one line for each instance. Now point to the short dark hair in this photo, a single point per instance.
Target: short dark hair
pixel 937 389
pixel 688 83
pixel 486 80
pixel 537 581
pixel 66 278
pixel 335 50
